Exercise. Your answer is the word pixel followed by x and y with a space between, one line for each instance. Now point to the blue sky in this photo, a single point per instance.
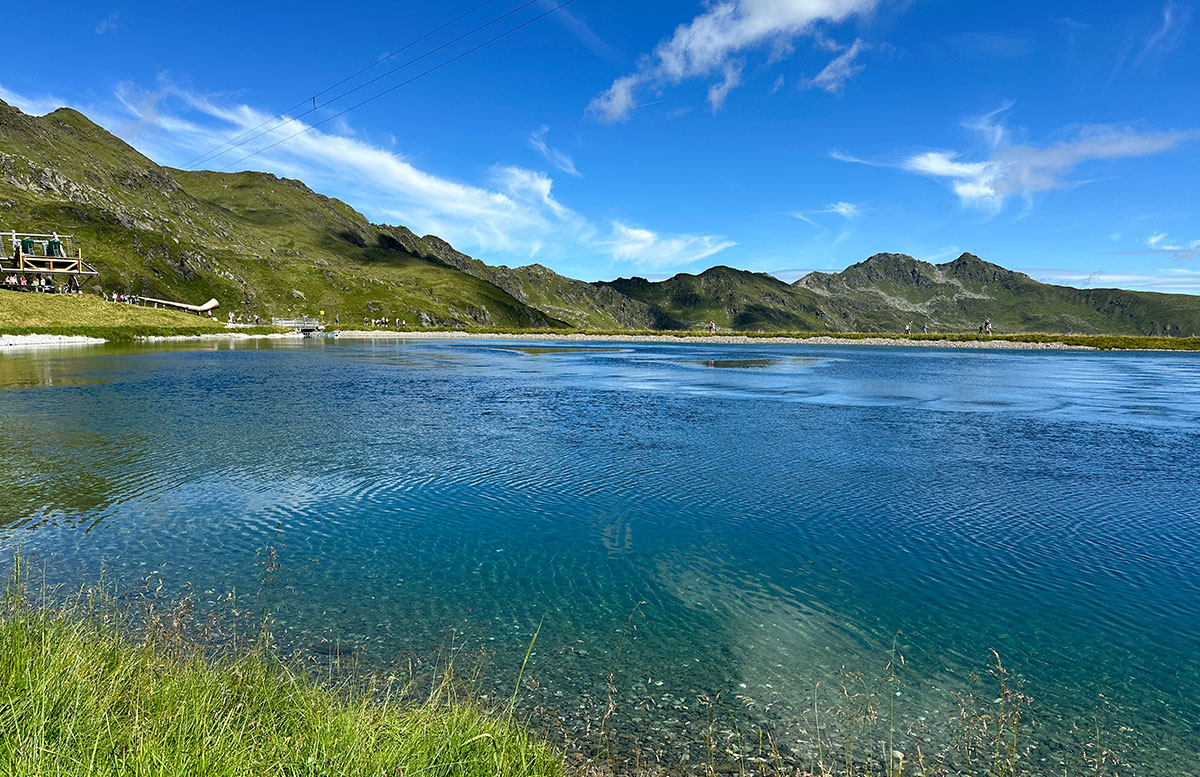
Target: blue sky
pixel 620 138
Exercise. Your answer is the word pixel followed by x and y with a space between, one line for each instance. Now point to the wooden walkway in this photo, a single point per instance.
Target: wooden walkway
pixel 302 325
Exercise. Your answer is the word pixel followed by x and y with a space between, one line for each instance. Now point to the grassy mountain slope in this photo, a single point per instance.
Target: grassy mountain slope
pixel 582 305
pixel 886 291
pixel 260 244
pixel 734 299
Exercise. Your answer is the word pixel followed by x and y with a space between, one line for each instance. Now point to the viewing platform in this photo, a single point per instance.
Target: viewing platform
pixel 41 256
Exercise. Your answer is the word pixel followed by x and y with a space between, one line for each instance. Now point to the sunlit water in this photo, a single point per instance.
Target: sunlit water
pixel 779 512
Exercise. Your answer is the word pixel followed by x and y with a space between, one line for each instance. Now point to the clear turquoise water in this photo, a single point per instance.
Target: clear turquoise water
pixel 782 511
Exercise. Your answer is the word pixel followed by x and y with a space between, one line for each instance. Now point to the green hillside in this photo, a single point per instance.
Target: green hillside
pixel 734 299
pixel 260 244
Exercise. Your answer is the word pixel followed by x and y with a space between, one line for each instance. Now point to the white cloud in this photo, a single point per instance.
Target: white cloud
pixel 34 106
pixel 537 140
pixel 646 249
pixel 1155 239
pixel 847 210
pixel 1010 169
pixel 718 92
pixel 834 76
pixel 109 23
pixel 713 42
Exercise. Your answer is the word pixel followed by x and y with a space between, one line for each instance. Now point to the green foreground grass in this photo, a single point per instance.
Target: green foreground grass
pixel 78 698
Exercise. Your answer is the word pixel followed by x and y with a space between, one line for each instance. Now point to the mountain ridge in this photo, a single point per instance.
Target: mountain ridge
pixel 267 245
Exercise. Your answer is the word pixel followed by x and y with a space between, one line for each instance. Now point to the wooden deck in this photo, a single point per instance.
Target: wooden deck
pixel 39 254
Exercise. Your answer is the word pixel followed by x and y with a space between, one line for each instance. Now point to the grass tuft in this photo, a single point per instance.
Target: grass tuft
pixel 78 697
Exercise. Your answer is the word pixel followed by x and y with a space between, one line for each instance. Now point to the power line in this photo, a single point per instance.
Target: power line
pixel 241 140
pixel 390 89
pixel 221 148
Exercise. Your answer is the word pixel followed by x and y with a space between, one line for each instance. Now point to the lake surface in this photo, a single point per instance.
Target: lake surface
pixel 721 530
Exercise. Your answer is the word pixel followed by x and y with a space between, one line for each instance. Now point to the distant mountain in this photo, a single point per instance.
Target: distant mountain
pixel 887 291
pixel 267 246
pixel 734 299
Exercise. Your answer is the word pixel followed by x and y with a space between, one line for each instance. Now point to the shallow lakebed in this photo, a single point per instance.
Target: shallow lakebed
pixel 709 536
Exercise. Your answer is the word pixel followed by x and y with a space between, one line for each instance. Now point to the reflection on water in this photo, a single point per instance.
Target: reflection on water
pixel 747 531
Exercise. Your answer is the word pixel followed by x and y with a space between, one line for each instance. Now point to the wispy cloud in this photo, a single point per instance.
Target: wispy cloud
pixel 1020 169
pixel 834 76
pixel 716 41
pixel 1174 280
pixel 645 249
pixel 34 106
pixel 537 139
pixel 109 23
pixel 1167 36
pixel 1158 244
pixel 847 210
pixel 582 31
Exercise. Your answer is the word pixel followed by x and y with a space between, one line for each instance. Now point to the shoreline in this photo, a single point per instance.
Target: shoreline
pixel 8 341
pixel 33 341
pixel 360 334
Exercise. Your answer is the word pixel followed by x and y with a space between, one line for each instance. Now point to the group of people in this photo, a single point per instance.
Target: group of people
pixel 128 299
pixel 28 283
pixel 379 322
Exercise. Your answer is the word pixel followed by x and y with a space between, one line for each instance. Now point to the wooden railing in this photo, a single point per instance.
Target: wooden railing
pixel 299 324
pixel 48 264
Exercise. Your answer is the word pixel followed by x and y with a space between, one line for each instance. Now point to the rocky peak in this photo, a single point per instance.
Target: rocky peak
pixel 969 267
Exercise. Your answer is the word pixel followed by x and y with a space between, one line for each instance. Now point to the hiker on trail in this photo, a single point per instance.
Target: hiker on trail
pixel 925 329
pixel 908 328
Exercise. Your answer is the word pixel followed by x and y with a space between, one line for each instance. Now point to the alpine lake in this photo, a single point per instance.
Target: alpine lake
pixel 701 547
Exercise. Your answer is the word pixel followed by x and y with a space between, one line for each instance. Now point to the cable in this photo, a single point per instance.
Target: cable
pixel 282 114
pixel 402 83
pixel 396 69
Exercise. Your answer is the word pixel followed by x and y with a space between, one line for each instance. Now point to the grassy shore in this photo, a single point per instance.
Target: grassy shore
pixel 89 316
pixel 1098 342
pixel 84 315
pixel 79 698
